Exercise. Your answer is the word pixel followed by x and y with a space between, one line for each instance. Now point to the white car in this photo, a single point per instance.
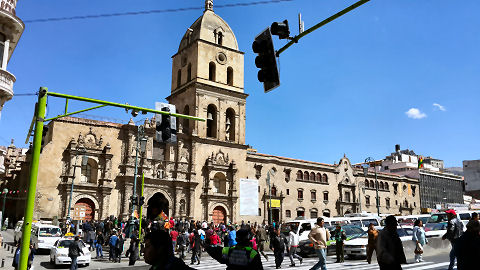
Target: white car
pixel 358 246
pixel 44 236
pixel 59 253
pixel 17 232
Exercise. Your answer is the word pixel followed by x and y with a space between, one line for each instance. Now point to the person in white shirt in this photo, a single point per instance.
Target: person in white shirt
pixel 293 240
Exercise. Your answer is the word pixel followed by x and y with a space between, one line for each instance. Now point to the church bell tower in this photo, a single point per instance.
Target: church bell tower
pixel 207 80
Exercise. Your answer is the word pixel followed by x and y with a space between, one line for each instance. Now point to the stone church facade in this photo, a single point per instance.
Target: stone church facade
pixel 198 177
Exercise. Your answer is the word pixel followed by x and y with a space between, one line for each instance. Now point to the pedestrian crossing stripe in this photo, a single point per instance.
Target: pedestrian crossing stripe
pixel 211 264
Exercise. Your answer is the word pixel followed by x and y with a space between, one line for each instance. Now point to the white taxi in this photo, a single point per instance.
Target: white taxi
pixel 59 252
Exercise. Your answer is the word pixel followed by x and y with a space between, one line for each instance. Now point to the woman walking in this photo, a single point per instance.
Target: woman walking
pixel 419 239
pixel 372 241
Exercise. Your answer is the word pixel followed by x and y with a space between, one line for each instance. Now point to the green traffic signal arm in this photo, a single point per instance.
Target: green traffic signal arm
pixel 114 104
pixel 320 24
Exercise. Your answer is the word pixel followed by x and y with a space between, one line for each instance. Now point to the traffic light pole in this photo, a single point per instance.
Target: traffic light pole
pixel 320 24
pixel 140 215
pixel 38 120
pixel 32 185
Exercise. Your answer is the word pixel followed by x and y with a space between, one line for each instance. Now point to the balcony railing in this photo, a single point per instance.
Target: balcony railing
pixel 6 82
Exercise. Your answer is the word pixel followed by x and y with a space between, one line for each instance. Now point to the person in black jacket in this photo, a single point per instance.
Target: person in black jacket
pixel 74 250
pixel 196 245
pixel 278 244
pixel 467 247
pixel 99 244
pixel 159 254
pixel 132 251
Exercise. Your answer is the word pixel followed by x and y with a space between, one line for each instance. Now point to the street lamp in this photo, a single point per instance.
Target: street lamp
pixel 5 191
pixel 84 162
pixel 270 173
pixel 365 172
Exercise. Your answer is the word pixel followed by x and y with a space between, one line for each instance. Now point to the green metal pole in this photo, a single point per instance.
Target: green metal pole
pixel 320 24
pixel 32 185
pixel 140 215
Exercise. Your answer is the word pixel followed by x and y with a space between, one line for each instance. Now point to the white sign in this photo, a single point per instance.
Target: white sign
pixel 248 197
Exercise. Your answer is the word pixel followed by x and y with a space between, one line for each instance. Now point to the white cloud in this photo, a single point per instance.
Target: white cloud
pixel 439 107
pixel 415 113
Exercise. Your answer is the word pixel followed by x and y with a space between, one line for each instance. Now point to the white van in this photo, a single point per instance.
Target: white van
pixel 44 236
pixel 364 221
pixel 304 226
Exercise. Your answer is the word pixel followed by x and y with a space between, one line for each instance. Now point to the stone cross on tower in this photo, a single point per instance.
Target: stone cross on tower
pixel 208 5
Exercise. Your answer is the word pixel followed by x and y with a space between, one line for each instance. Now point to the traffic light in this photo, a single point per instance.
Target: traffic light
pixel 44 139
pixel 280 29
pixel 134 200
pixel 266 60
pixel 166 125
pixel 141 201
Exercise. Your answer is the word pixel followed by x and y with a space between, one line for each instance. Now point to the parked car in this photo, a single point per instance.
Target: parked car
pixel 357 247
pixel 306 246
pixel 17 231
pixel 44 236
pixel 59 253
pixel 435 229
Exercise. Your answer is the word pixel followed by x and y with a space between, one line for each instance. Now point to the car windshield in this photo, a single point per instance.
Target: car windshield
pixel 50 232
pixel 67 242
pixel 353 232
pixel 437 218
pixel 465 216
pixel 356 222
pixel 367 222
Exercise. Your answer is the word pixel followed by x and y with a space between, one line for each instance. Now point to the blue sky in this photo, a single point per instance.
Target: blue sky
pixel 345 88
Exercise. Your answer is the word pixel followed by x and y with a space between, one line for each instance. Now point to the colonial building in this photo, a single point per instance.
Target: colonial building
pixel 198 177
pixel 11 29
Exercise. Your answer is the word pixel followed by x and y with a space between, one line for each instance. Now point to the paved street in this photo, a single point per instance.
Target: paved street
pixel 41 261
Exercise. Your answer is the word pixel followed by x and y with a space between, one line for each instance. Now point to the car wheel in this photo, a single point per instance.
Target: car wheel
pixel 87 264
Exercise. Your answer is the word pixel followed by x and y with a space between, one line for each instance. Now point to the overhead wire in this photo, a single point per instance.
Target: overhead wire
pixel 152 11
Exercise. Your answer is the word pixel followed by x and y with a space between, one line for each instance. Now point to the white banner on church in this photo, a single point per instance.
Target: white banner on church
pixel 248 197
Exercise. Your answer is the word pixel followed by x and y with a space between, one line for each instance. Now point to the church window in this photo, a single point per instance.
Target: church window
pixel 220 38
pixel 299 175
pixel 89 172
pixel 230 76
pixel 186 123
pixel 325 178
pixel 189 72
pixel 179 78
pixel 211 121
pixel 219 184
pixel 230 125
pixel 211 71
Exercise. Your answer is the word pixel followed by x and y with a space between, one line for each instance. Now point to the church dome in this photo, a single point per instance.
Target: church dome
pixel 210 27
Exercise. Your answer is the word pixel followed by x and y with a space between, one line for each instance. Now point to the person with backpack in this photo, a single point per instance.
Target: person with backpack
pixel 182 241
pixel 196 246
pixel 277 245
pixel 454 231
pixel 112 243
pixel 119 247
pixel 74 251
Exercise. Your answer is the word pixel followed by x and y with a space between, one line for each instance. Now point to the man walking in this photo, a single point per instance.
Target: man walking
pixel 319 237
pixel 74 251
pixel 112 244
pixel 99 243
pixel 372 241
pixel 278 244
pixel 340 236
pixel 293 241
pixel 261 239
pixel 390 253
pixel 454 231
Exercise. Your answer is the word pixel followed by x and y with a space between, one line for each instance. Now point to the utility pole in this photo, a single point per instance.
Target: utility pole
pixel 5 191
pixel 140 215
pixel 37 127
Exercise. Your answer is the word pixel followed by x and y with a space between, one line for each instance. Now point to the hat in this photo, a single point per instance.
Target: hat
pixel 451 211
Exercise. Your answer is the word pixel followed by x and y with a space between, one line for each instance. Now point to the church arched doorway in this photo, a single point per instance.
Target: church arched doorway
pixel 157 204
pixel 84 209
pixel 219 215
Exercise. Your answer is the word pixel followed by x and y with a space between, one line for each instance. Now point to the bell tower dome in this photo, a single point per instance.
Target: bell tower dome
pixel 207 79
